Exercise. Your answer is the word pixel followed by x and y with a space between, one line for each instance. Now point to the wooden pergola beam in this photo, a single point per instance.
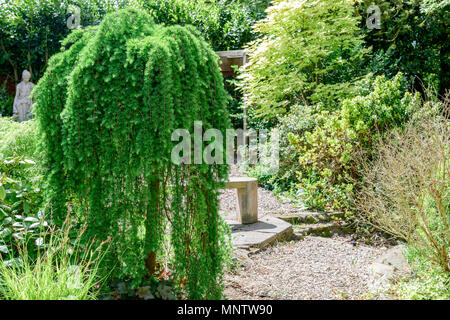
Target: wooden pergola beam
pixel 234 58
pixel 231 58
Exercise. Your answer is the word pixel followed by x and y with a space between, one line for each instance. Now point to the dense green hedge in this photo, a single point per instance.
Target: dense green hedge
pixel 225 24
pixel 413 39
pixel 31 33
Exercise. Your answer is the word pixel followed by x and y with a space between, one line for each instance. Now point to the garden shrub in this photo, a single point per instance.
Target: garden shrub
pixel 328 171
pixel 428 282
pixel 20 187
pixel 319 147
pixel 107 107
pixel 405 190
pixel 21 223
pixel 63 270
pixel 299 120
pixel 21 140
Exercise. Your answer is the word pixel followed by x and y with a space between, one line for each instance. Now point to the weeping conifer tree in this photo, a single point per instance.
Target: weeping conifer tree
pixel 107 106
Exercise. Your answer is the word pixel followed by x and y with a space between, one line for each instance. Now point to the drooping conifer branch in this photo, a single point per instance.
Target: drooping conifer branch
pixel 107 107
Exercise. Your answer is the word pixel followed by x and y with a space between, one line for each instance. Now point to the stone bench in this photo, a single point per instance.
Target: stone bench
pixel 247 191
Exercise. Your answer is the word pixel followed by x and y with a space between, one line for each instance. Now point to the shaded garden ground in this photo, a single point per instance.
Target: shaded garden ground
pixel 313 268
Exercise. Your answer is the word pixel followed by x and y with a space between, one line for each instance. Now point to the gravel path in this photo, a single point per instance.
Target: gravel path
pixel 313 268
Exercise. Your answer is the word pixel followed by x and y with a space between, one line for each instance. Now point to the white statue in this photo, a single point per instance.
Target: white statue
pixel 22 102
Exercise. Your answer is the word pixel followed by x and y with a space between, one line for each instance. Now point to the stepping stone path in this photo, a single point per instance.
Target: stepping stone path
pixel 285 255
pixel 259 234
pixel 254 226
pixel 315 223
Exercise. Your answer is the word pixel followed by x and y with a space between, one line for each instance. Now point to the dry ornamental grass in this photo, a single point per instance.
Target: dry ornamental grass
pixel 406 189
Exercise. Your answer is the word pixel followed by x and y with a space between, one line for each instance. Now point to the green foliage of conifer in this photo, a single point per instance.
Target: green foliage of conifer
pixel 107 107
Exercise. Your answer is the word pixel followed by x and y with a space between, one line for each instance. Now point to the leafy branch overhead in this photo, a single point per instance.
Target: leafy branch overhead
pixel 302 56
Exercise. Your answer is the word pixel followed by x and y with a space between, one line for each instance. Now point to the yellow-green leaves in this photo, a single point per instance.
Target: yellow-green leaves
pixel 304 55
pixel 2 192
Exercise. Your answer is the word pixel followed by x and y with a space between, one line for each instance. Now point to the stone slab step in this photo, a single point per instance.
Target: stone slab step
pixel 310 217
pixel 320 229
pixel 267 230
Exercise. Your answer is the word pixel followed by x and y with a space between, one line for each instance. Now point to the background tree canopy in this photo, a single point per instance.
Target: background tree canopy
pixel 31 32
pixel 304 56
pixel 312 51
pixel 413 39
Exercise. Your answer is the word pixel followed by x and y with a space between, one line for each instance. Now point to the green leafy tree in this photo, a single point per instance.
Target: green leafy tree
pixel 31 32
pixel 107 107
pixel 225 24
pixel 308 52
pixel 412 39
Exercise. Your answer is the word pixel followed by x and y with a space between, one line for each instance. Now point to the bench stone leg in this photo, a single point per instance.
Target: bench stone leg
pixel 247 211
